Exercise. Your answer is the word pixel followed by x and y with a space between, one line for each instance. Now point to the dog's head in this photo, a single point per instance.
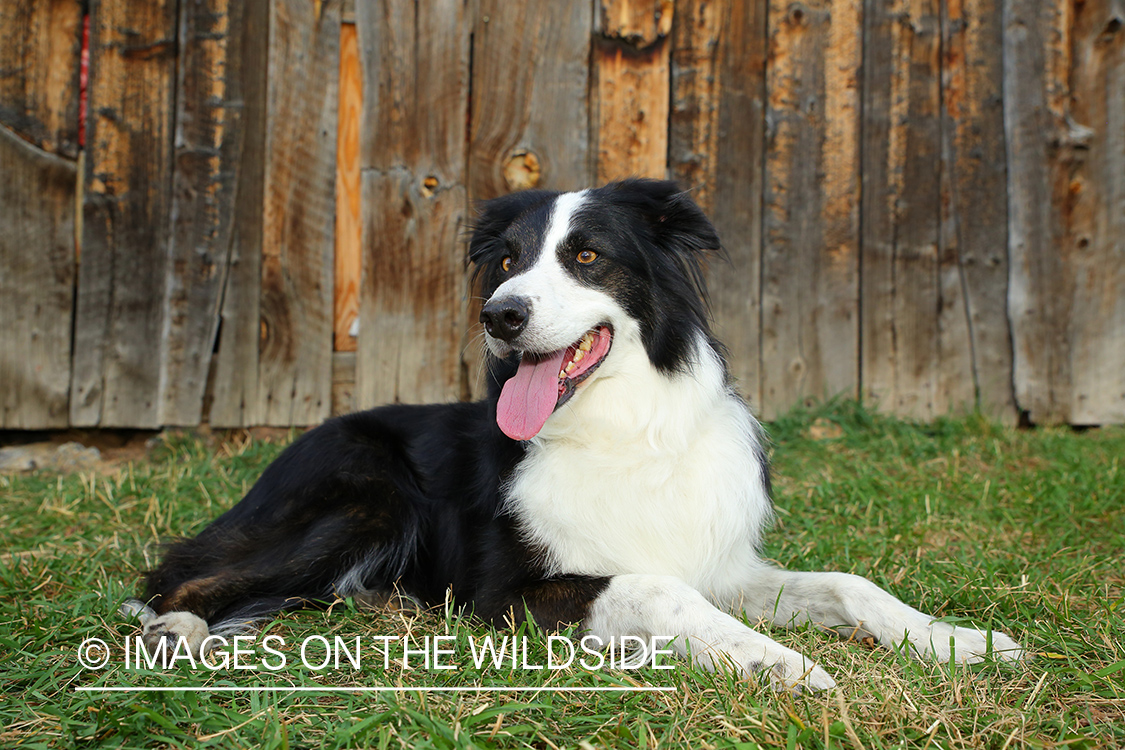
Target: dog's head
pixel 567 278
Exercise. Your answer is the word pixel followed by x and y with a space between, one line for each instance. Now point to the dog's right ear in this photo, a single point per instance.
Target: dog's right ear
pixel 486 246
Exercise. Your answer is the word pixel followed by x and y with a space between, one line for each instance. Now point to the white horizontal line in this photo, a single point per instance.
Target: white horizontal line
pixel 314 689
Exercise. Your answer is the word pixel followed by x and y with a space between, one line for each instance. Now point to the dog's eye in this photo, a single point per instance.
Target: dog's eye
pixel 506 264
pixel 587 256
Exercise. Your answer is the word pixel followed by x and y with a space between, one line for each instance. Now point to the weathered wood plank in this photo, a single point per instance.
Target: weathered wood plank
pixel 126 207
pixel 36 284
pixel 530 116
pixel 901 208
pixel 1041 147
pixel 530 119
pixel 954 378
pixel 701 44
pixel 343 383
pixel 716 149
pixel 40 43
pixel 295 357
pixel 236 401
pixel 349 252
pixel 1097 230
pixel 810 328
pixel 412 297
pixel 632 52
pixel 207 152
pixel 974 237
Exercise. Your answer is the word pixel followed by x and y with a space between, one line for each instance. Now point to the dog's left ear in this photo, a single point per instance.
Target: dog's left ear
pixel 679 235
pixel 676 221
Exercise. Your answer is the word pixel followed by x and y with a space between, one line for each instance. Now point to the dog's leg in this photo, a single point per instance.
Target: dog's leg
pixel 831 600
pixel 653 606
pixel 179 613
pixel 169 627
pixel 233 597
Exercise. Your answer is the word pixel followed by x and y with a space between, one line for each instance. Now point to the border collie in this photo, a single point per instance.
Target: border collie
pixel 612 477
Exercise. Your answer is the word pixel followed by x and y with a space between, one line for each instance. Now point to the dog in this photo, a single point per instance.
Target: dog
pixel 612 477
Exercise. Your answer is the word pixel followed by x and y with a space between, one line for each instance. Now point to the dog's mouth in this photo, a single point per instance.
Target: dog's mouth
pixel 544 382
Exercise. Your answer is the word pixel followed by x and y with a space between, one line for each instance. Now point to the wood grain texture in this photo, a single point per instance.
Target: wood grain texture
pixel 126 209
pixel 343 383
pixel 530 119
pixel 258 175
pixel 295 356
pixel 208 153
pixel 701 44
pixel 1096 235
pixel 630 101
pixel 235 395
pixel 413 294
pixel 901 207
pixel 716 150
pixel 36 284
pixel 40 44
pixel 1042 141
pixel 810 256
pixel 973 263
pixel 530 112
pixel 349 253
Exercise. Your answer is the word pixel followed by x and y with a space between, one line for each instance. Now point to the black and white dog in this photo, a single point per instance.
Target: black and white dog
pixel 612 478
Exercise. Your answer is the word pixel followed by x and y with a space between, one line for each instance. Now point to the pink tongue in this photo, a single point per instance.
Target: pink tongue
pixel 529 397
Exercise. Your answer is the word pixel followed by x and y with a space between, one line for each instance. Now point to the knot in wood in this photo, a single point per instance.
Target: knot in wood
pixel 522 170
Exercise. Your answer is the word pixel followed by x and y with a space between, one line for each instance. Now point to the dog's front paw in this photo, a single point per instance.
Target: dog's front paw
pixel 169 629
pixel 787 670
pixel 969 644
pixel 799 676
pixel 965 644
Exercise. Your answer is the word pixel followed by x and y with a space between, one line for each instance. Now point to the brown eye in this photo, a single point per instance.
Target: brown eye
pixel 506 264
pixel 587 256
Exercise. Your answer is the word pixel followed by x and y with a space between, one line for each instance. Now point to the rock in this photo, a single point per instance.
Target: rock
pixel 824 429
pixel 21 458
pixel 63 459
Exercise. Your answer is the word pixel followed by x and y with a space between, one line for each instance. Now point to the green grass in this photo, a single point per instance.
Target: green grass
pixel 1020 530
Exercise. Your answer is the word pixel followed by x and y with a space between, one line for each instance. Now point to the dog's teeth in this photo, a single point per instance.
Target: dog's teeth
pixel 562 374
pixel 570 368
pixel 578 355
pixel 587 343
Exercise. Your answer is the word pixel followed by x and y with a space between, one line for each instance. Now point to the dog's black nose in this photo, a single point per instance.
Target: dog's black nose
pixel 505 318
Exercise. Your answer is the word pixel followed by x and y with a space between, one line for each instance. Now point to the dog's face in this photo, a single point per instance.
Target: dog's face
pixel 570 277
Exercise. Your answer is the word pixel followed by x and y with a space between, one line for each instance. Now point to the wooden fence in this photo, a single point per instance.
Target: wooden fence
pixel 923 201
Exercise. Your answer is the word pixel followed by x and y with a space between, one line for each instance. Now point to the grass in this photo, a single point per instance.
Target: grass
pixel 1020 530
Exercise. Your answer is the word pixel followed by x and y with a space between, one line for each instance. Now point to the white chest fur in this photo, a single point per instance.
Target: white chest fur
pixel 647 473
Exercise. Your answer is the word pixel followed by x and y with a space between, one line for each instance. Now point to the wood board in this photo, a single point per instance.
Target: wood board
pixel 119 315
pixel 415 65
pixel 810 253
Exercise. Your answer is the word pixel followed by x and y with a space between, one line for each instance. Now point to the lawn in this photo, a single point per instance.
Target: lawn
pixel 1021 530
